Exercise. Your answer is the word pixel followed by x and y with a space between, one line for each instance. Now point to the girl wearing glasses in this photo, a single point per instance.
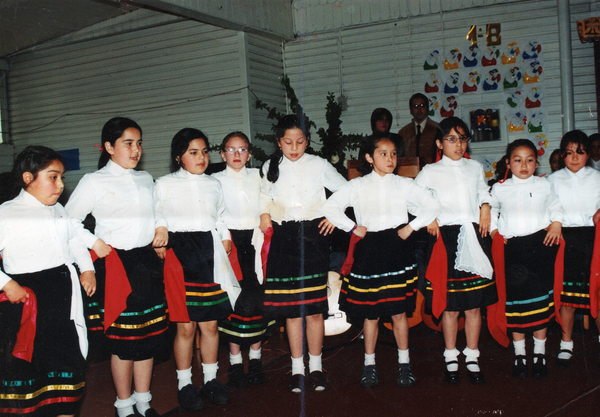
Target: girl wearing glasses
pixel 459 275
pixel 190 203
pixel 245 326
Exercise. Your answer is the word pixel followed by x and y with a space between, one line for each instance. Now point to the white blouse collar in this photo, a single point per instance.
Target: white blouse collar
pixel 183 174
pixel 451 162
pixel 30 200
pixel 528 180
pixel 236 174
pixel 116 169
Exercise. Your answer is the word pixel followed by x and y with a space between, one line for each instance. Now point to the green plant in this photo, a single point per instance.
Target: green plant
pixel 334 143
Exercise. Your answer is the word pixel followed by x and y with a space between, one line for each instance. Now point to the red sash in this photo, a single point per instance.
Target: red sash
pixel 264 251
pixel 347 266
pixel 595 276
pixel 437 274
pixel 235 263
pixel 496 313
pixel 24 345
pixel 116 287
pixel 175 288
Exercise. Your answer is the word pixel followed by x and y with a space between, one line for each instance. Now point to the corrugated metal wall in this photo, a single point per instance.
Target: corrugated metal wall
pixel 381 64
pixel 164 73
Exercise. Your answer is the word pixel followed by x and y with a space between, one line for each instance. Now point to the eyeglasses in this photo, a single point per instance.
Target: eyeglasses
pixel 241 151
pixel 453 139
pixel 418 106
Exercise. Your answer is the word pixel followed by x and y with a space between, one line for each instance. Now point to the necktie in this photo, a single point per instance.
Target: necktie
pixel 418 140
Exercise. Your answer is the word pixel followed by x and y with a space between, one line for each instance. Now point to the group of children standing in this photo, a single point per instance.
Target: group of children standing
pixel 230 253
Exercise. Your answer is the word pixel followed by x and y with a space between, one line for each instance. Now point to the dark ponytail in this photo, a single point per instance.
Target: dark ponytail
pixel 113 130
pixel 290 121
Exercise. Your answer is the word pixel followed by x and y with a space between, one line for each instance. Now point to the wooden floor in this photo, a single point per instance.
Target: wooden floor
pixel 567 392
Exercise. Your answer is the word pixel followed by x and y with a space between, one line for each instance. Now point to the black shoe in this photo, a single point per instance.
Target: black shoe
pixel 296 383
pixel 564 363
pixel 151 412
pixel 451 377
pixel 519 369
pixel 539 369
pixel 476 377
pixel 256 375
pixel 369 377
pixel 189 398
pixel 406 376
pixel 130 415
pixel 236 376
pixel 216 392
pixel 318 381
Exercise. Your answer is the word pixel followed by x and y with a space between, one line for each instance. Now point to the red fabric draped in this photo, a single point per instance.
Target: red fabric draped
pixel 235 263
pixel 559 271
pixel 25 337
pixel 264 251
pixel 595 276
pixel 175 288
pixel 347 266
pixel 116 287
pixel 437 274
pixel 496 313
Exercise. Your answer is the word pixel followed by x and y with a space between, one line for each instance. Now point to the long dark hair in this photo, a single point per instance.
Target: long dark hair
pixel 181 143
pixel 368 146
pixel 32 159
pixel 113 130
pixel 291 121
pixel 578 138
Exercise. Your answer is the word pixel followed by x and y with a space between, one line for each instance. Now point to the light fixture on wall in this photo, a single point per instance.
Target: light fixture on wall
pixel 343 102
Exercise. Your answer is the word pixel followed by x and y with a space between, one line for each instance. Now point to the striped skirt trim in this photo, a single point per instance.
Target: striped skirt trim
pixel 579 250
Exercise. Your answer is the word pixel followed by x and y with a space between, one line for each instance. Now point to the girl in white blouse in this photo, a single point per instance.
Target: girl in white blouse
pixel 190 203
pixel 292 193
pixel 578 189
pixel 527 215
pixel 245 326
pixel 465 282
pixel 131 302
pixel 383 279
pixel 39 245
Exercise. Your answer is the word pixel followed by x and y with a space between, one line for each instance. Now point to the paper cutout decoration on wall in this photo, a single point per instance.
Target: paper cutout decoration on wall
pixel 434 104
pixel 533 71
pixel 534 98
pixel 449 107
pixel 451 83
pixel 432 60
pixel 432 83
pixel 517 122
pixel 471 82
pixel 515 100
pixel 510 54
pixel 490 56
pixel 452 59
pixel 536 122
pixel 532 50
pixel 471 56
pixel 542 143
pixel 492 80
pixel 513 78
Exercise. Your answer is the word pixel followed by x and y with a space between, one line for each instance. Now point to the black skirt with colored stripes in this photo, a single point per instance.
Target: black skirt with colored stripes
pixel 579 250
pixel 529 271
pixel 140 332
pixel 383 280
pixel 296 279
pixel 246 325
pixel 205 299
pixel 53 382
pixel 464 290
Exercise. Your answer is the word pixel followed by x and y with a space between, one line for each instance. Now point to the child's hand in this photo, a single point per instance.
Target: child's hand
pixel 88 282
pixel 485 219
pixel 265 222
pixel 101 249
pixel 14 292
pixel 554 234
pixel 326 227
pixel 227 246
pixel 161 237
pixel 596 217
pixel 161 252
pixel 360 231
pixel 405 232
pixel 434 228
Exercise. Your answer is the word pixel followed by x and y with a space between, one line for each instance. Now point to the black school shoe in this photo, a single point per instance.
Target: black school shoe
pixel 256 375
pixel 318 381
pixel 296 384
pixel 564 363
pixel 151 412
pixel 369 377
pixel 406 376
pixel 451 377
pixel 539 369
pixel 236 376
pixel 475 377
pixel 519 369
pixel 216 392
pixel 189 398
